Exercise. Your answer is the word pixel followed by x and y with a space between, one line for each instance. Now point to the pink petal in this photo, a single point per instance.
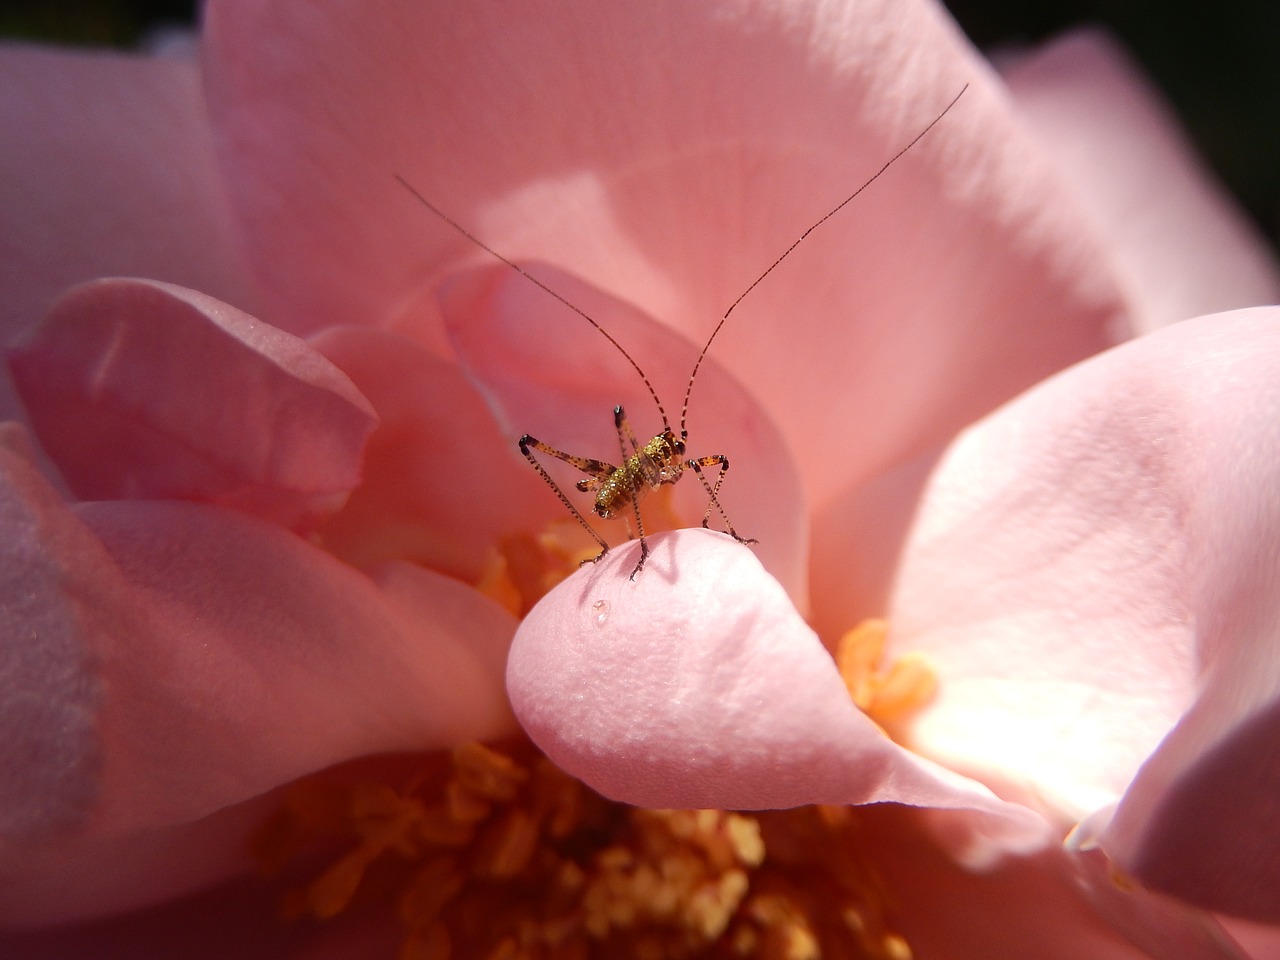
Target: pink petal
pixel 857 540
pixel 697 684
pixel 574 140
pixel 409 660
pixel 146 390
pixel 551 375
pixel 1260 942
pixel 1180 245
pixel 1199 820
pixel 1162 926
pixel 171 660
pixel 441 486
pixel 1060 903
pixel 1094 572
pixel 1176 244
pixel 107 170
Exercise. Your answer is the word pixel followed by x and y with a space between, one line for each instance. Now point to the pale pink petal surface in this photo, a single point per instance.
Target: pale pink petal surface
pixel 676 204
pixel 1092 572
pixel 697 684
pixel 1178 243
pixel 897 322
pixel 189 658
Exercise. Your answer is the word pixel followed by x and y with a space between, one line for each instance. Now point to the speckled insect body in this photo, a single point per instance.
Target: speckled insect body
pixel 619 489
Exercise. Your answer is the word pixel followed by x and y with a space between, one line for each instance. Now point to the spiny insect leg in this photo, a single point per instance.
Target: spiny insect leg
pixel 627 435
pixel 528 444
pixel 713 492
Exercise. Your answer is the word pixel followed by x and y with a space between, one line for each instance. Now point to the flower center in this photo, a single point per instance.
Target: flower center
pixel 495 853
pixel 492 852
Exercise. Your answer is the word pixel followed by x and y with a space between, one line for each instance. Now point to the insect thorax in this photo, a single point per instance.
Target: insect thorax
pixel 659 461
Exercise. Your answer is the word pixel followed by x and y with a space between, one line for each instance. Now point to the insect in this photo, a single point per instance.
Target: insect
pixel 662 459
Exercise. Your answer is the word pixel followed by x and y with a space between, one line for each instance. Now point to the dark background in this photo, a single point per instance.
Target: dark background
pixel 1216 61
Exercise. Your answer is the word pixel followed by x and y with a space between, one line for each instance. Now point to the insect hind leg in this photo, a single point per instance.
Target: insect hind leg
pixel 713 492
pixel 594 467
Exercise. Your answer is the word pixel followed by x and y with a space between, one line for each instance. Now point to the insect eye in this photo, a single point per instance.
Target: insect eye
pixel 678 446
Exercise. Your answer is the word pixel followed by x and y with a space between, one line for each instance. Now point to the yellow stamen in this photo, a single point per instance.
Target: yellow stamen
pixel 886 694
pixel 521 569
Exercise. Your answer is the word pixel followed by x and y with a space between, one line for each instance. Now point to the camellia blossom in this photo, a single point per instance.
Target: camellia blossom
pixel 268 539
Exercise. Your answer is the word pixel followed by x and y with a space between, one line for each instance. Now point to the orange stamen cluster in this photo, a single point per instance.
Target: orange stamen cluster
pixel 497 855
pixel 887 693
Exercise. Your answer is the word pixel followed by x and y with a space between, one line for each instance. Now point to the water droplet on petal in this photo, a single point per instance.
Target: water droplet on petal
pixel 601 607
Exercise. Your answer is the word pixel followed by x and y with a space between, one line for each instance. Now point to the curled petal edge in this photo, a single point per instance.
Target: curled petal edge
pixel 698 684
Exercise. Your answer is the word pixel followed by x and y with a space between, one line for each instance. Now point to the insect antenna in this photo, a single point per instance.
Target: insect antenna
pixel 534 280
pixel 684 409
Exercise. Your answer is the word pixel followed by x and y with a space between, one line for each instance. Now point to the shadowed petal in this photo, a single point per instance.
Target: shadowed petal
pixel 1065 905
pixel 441 484
pixel 145 390
pixel 1199 822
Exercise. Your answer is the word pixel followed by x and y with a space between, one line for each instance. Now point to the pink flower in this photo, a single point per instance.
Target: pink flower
pixel 244 545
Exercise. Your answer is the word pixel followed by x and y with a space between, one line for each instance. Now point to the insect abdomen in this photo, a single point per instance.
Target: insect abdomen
pixel 656 463
pixel 623 488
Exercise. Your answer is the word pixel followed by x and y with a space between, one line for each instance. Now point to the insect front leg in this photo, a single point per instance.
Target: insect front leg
pixel 596 468
pixel 713 491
